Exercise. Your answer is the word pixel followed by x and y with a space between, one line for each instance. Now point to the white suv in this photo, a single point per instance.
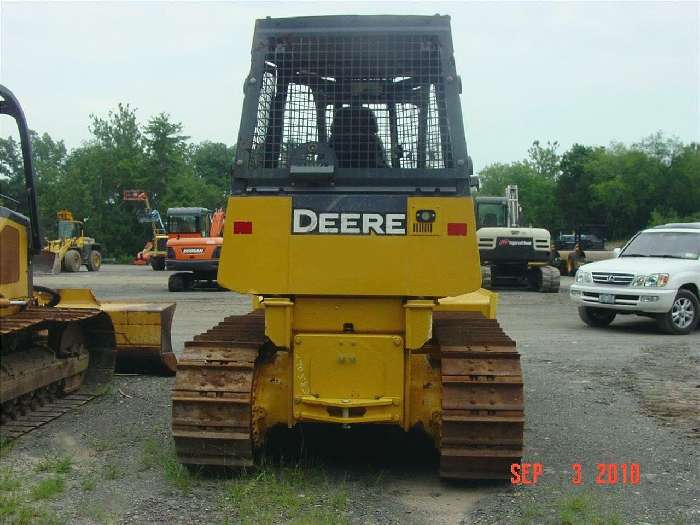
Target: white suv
pixel 656 274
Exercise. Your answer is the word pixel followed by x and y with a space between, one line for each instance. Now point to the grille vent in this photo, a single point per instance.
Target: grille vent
pixel 423 227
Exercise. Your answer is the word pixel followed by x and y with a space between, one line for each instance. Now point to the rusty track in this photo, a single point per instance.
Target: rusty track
pixel 482 397
pixel 212 396
pixel 56 379
pixel 482 402
pixel 40 416
pixel 38 315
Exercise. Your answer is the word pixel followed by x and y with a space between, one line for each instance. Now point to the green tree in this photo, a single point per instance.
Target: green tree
pixel 212 162
pixel 573 189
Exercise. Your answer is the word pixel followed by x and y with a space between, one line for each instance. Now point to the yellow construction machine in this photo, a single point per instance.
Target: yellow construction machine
pixel 71 250
pixel 58 347
pixel 352 226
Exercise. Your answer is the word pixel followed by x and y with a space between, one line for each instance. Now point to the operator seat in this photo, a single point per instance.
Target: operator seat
pixel 354 138
pixel 490 219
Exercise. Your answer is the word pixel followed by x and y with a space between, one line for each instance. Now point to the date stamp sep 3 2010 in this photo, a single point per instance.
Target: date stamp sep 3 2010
pixel 606 473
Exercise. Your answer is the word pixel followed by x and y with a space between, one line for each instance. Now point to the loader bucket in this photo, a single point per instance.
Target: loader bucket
pixel 46 262
pixel 142 330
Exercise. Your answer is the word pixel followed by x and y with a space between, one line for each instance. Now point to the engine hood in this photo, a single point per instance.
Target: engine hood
pixel 642 265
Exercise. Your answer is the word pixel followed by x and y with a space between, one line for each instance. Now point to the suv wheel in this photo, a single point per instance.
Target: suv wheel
pixel 596 317
pixel 683 316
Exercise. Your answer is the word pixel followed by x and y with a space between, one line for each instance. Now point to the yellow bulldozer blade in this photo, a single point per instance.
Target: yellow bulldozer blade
pixel 142 330
pixel 47 262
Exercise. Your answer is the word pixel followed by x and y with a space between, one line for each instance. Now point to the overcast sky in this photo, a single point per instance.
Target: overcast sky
pixel 573 72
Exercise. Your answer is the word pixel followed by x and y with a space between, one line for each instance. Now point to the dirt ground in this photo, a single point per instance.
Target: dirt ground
pixel 623 395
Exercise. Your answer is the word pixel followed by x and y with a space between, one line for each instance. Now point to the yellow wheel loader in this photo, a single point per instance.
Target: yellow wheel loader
pixel 352 226
pixel 59 347
pixel 71 250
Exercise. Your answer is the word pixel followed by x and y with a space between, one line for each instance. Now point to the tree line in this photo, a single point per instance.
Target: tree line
pixel 623 188
pixel 121 153
pixel 616 189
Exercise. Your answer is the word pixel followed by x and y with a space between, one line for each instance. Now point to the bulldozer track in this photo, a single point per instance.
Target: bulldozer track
pixel 44 404
pixel 38 417
pixel 212 395
pixel 482 404
pixel 482 397
pixel 37 315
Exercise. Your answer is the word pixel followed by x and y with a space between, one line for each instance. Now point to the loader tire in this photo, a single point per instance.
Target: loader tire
pixel 158 264
pixel 486 277
pixel 72 261
pixel 94 261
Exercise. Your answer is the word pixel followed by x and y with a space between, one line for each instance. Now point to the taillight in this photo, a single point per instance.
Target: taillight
pixel 217 252
pixel 242 227
pixel 456 228
pixel 171 253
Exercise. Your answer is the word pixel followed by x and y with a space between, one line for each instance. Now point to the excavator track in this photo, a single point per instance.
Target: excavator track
pixel 482 397
pixel 549 279
pixel 212 396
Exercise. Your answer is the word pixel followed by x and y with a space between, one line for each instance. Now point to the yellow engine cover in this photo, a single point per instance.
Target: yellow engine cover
pixel 14 261
pixel 350 245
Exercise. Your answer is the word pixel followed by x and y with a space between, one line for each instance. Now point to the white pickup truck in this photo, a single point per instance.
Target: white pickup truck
pixel 656 274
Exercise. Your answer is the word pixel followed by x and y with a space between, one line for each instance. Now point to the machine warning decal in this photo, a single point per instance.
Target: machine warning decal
pixel 349 215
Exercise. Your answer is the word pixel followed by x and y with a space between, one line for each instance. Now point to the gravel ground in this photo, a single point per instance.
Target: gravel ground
pixel 626 394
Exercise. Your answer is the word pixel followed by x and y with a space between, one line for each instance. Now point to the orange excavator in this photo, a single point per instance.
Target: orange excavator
pixel 194 247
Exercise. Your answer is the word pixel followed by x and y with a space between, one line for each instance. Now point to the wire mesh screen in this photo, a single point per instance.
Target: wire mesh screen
pixel 364 101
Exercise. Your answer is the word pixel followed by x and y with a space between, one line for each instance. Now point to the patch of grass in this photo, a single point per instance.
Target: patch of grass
pixel 583 509
pixel 5 446
pixel 299 494
pixel 531 513
pixel 101 445
pixel 14 512
pixel 111 472
pixel 97 514
pixel 150 456
pixel 48 488
pixel 88 484
pixel 177 473
pixel 156 454
pixel 56 464
pixel 8 482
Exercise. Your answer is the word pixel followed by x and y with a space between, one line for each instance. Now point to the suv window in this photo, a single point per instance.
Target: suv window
pixel 676 245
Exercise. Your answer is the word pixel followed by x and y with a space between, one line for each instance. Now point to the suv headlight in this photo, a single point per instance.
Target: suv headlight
pixel 583 277
pixel 654 280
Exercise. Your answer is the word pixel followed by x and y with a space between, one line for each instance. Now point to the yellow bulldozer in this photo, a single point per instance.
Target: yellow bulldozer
pixel 71 250
pixel 59 347
pixel 351 224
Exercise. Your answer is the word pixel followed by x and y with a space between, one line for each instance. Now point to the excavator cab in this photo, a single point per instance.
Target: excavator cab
pixel 194 247
pixel 188 222
pixel 352 225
